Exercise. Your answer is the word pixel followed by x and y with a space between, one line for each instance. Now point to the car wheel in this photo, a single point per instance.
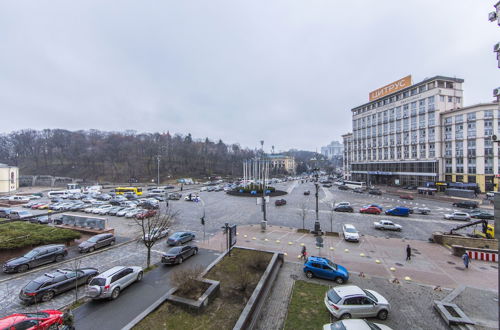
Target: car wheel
pixel 59 258
pixel 139 276
pixel 180 260
pixel 309 274
pixel 195 251
pixel 382 315
pixel 345 316
pixel 91 249
pixel 112 243
pixel 115 293
pixel 339 280
pixel 47 296
pixel 22 268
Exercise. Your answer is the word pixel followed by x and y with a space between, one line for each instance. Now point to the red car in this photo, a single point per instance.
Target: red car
pixel 42 320
pixel 370 210
pixel 145 214
pixel 410 197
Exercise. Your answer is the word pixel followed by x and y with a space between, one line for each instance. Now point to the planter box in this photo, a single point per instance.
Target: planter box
pixel 202 302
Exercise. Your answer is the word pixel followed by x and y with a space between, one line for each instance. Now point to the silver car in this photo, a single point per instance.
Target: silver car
pixel 109 284
pixel 350 301
pixel 462 216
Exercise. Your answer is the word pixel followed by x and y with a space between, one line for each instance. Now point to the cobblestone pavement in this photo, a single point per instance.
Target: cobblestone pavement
pixel 412 304
pixel 133 254
pixel 431 264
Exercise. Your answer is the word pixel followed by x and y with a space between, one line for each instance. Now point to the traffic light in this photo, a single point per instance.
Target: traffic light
pixel 202 220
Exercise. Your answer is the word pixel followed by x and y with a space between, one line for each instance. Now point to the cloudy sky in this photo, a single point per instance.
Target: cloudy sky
pixel 287 72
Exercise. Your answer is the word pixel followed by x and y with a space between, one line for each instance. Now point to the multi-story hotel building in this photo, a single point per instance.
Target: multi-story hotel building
pixel 469 153
pixel 408 134
pixel 347 138
pixel 396 136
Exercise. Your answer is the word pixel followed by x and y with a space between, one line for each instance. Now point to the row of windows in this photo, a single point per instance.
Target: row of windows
pixel 405 94
pixel 418 167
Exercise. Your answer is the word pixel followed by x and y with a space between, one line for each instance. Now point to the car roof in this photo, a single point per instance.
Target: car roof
pixel 348 225
pixel 317 259
pixel 348 290
pixel 111 271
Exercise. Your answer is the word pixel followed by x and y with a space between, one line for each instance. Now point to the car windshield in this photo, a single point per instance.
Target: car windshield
pixel 32 286
pixel 31 254
pixel 174 250
pixel 93 239
pixel 337 326
pixel 333 296
pixel 370 295
pixel 350 230
pixel 372 326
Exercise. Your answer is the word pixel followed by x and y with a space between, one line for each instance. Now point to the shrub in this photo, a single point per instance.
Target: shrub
pixel 186 280
pixel 259 262
pixel 243 277
pixel 21 234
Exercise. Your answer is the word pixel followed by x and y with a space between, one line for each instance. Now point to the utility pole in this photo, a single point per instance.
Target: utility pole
pixel 158 182
pixel 317 225
pixel 263 224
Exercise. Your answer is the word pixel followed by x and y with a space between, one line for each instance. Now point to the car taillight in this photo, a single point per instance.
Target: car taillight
pixel 31 294
pixel 334 306
pixel 106 288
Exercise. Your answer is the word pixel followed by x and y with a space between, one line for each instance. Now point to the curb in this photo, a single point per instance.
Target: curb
pixel 66 260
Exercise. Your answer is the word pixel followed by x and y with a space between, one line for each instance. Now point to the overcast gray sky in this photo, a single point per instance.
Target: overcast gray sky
pixel 287 72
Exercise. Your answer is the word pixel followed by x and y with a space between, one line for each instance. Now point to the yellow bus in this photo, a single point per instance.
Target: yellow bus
pixel 122 190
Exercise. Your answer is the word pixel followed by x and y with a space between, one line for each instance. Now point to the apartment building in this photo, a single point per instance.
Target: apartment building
pixel 347 138
pixel 469 153
pixel 396 136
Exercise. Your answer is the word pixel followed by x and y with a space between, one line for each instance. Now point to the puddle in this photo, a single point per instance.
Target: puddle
pixel 494 267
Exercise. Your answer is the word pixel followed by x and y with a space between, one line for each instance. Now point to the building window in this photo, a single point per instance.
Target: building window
pixel 471 130
pixel 471 116
pixel 457 99
pixel 442 98
pixel 432 150
pixel 459 119
pixel 471 179
pixel 488 127
pixel 488 114
pixel 450 99
pixel 448 120
pixel 460 178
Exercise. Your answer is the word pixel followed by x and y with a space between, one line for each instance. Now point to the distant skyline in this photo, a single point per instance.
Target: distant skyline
pixel 287 72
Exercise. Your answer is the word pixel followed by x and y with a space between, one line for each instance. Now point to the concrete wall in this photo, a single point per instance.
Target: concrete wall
pixel 479 243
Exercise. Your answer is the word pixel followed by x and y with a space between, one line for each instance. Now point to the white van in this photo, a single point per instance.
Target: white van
pixel 19 198
pixel 60 193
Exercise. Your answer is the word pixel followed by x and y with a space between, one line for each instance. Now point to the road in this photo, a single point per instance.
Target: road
pixel 132 301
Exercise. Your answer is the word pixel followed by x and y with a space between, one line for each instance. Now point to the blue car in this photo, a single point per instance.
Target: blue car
pixel 399 211
pixel 180 237
pixel 324 268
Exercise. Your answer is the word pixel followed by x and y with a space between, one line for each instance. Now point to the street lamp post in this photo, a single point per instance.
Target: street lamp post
pixel 317 225
pixel 158 182
pixel 263 223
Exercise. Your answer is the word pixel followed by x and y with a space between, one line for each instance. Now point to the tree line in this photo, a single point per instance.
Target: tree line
pixel 127 156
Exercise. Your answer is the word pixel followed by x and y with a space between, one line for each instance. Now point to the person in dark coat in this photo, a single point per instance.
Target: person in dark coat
pixel 408 252
pixel 303 254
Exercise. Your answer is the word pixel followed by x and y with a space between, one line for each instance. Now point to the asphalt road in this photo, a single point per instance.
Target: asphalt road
pixel 104 314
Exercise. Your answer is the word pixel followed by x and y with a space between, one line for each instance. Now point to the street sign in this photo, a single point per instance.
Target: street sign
pixel 259 200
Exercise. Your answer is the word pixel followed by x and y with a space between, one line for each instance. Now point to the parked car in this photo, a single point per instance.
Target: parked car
pixel 180 237
pixel 192 198
pixel 370 210
pixel 324 268
pixel 46 286
pixel 96 242
pixel 466 204
pixel 45 319
pixel 307 193
pixel 387 225
pixel 421 210
pixel 133 213
pixel 375 192
pixel 36 257
pixel 350 301
pixel 174 196
pixel 19 214
pixel 358 190
pixel 342 187
pixel 4 213
pixel 115 210
pixel 109 284
pixel 481 215
pixel 124 211
pixel 280 202
pixel 343 203
pixel 156 234
pixel 350 232
pixel 409 197
pixel 398 211
pixel 145 214
pixel 343 208
pixel 355 324
pixel 41 219
pixel 462 216
pixel 178 254
pixel 327 185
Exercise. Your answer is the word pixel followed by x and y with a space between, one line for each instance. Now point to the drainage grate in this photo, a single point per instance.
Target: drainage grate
pixel 399 264
pixel 483 268
pixel 459 268
pixel 451 263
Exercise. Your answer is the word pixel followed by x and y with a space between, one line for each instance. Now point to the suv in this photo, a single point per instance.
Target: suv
pixel 466 204
pixel 324 268
pixel 45 287
pixel 350 301
pixel 36 257
pixel 109 284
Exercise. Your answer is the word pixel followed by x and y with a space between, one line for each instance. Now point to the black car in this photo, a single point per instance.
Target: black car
pixel 45 287
pixel 36 257
pixel 375 192
pixel 178 254
pixel 344 208
pixel 307 192
pixel 482 215
pixel 280 202
pixel 327 185
pixel 96 242
pixel 466 204
pixel 343 188
pixel 358 190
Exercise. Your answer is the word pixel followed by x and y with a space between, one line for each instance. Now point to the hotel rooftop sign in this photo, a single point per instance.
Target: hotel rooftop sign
pixel 391 88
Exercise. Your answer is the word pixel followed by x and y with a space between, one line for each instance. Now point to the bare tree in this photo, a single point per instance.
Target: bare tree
pixel 303 213
pixel 152 228
pixel 332 213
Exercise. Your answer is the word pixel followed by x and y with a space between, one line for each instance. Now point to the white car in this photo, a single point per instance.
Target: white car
pixel 355 324
pixel 98 210
pixel 156 233
pixel 462 216
pixel 350 233
pixel 350 301
pixel 387 225
pixel 124 211
pixel 133 213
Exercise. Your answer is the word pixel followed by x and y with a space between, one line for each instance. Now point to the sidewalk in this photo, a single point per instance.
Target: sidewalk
pixel 431 264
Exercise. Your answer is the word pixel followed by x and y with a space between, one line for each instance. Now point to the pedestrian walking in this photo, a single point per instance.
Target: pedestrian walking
pixel 408 252
pixel 466 260
pixel 303 254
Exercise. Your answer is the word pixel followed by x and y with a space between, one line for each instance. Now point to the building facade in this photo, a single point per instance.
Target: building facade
pixel 396 137
pixel 347 159
pixel 9 179
pixel 469 153
pixel 282 163
pixel 334 149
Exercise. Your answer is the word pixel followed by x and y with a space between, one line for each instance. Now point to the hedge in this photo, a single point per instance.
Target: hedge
pixel 21 234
